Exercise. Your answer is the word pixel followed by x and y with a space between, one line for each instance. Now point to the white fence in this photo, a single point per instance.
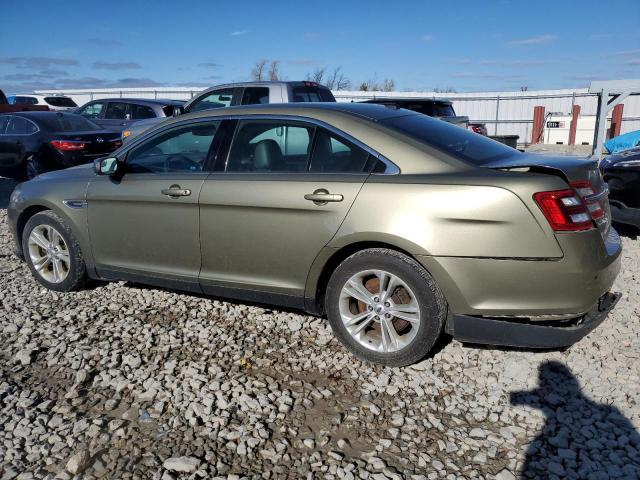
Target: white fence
pixel 505 113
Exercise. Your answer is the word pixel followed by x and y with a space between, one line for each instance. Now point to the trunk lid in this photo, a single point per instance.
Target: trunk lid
pixel 97 142
pixel 574 170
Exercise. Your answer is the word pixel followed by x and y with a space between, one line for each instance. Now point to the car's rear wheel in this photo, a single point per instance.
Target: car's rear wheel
pixel 385 307
pixel 32 166
pixel 53 253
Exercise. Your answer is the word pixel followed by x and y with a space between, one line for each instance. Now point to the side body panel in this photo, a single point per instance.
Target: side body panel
pixel 134 227
pixel 259 232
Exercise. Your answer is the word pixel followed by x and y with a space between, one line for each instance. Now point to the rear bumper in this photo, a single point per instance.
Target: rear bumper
pixel 513 333
pixel 495 287
pixel 624 214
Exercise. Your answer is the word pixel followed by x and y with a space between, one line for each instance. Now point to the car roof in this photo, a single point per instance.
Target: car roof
pixel 148 101
pixel 406 100
pixel 268 82
pixel 372 112
pixel 38 114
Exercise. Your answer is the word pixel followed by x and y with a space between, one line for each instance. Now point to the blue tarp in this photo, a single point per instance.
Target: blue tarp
pixel 623 142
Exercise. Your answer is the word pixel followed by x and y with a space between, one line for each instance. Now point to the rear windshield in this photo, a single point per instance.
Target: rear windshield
pixel 450 139
pixel 68 123
pixel 433 109
pixel 60 101
pixel 312 94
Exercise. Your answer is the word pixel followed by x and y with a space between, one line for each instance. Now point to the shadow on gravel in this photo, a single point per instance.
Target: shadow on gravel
pixel 581 438
pixel 6 187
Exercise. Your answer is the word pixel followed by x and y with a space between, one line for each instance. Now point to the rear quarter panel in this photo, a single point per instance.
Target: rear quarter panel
pixel 463 217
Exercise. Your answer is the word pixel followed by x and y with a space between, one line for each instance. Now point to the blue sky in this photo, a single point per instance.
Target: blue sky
pixel 421 45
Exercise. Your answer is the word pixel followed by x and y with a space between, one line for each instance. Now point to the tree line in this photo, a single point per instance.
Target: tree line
pixel 334 79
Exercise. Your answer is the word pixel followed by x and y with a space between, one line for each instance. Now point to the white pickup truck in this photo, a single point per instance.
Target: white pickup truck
pixel 244 93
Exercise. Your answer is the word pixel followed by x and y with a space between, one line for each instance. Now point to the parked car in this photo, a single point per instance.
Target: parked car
pixel 6 107
pixel 434 107
pixel 621 171
pixel 397 226
pixel 117 114
pixel 36 142
pixel 53 102
pixel 245 93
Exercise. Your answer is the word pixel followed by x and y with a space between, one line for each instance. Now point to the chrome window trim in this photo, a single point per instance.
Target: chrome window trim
pixel 391 168
pixel 20 134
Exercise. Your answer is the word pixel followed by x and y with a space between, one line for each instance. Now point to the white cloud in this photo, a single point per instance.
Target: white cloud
pixel 426 38
pixel 237 33
pixel 537 40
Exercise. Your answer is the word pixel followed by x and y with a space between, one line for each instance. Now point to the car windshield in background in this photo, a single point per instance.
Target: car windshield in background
pixel 312 94
pixel 68 123
pixel 450 139
pixel 60 101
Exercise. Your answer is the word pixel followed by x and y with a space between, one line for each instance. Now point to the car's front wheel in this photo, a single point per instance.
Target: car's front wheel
pixel 53 253
pixel 385 307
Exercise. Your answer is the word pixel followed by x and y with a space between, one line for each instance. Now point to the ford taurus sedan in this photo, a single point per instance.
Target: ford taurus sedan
pixel 398 227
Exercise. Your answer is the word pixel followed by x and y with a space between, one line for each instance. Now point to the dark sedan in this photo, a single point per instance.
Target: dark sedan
pixel 36 142
pixel 621 171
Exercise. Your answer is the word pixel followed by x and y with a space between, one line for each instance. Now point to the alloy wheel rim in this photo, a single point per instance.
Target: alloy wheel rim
pixel 49 253
pixel 379 310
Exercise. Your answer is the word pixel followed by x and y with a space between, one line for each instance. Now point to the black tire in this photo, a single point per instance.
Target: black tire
pixel 32 166
pixel 77 274
pixel 431 303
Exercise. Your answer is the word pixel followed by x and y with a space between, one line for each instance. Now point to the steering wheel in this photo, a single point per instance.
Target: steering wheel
pixel 181 163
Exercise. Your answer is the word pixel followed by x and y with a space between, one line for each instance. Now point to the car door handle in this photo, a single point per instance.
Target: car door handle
pixel 322 196
pixel 175 191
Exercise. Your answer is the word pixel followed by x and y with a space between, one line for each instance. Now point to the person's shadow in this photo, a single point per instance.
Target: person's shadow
pixel 580 438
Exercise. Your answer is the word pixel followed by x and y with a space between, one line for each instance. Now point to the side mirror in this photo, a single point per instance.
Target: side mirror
pixel 106 166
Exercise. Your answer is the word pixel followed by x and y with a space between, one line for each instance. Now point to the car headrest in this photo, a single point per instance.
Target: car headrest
pixel 267 155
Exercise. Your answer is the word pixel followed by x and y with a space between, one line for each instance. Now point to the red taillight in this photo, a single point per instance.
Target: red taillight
pixel 68 145
pixel 565 210
pixel 310 84
pixel 585 190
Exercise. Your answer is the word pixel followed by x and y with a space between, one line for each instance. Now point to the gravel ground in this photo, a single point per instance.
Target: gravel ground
pixel 123 381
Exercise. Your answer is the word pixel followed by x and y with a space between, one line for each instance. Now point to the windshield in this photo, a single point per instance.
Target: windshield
pixel 450 139
pixel 68 123
pixel 312 94
pixel 60 101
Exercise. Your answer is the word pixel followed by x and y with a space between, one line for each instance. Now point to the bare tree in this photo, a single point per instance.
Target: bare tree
pixel 444 90
pixel 388 85
pixel 274 70
pixel 317 75
pixel 258 71
pixel 364 87
pixel 337 80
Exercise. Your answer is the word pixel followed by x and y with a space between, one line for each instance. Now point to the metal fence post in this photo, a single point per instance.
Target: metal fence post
pixel 155 94
pixel 495 127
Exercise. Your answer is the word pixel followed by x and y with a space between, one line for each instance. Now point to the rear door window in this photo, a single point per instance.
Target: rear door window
pixel 332 154
pixel 270 146
pixel 215 99
pixel 312 94
pixel 20 126
pixel 4 121
pixel 93 110
pixel 118 111
pixel 26 100
pixel 139 112
pixel 255 95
